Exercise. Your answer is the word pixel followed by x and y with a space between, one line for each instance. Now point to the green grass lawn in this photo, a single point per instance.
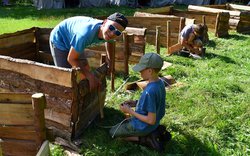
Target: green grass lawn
pixel 208 114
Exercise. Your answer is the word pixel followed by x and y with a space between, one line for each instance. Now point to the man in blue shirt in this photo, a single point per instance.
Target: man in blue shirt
pixel 71 36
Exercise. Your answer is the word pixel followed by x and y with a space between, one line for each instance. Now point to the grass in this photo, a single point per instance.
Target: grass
pixel 207 115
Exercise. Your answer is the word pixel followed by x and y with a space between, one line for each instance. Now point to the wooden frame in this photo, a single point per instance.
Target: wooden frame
pixel 218 25
pixel 22 124
pixel 70 105
pixel 239 15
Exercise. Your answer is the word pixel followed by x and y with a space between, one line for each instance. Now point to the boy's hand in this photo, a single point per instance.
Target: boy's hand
pixel 131 103
pixel 125 108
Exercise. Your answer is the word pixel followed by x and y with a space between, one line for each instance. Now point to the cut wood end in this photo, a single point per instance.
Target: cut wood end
pixel 37 95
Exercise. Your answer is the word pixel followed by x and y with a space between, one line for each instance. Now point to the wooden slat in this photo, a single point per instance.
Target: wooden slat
pixel 16 49
pixel 136 31
pixel 20 132
pixel 58 117
pixel 14 40
pixel 239 7
pixel 15 98
pixel 16 114
pixel 37 71
pixel 19 147
pixel 212 10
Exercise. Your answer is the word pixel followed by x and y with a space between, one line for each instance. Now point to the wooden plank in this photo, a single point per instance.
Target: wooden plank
pixel 145 14
pixel 151 22
pixel 13 50
pixel 15 98
pixel 37 71
pixel 25 148
pixel 16 114
pixel 59 117
pixel 14 40
pixel 136 31
pixel 239 7
pixel 18 132
pixel 212 10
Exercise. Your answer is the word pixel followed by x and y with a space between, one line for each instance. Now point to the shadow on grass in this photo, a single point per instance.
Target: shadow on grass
pixel 211 43
pixel 236 37
pixel 97 140
pixel 187 144
pixel 222 58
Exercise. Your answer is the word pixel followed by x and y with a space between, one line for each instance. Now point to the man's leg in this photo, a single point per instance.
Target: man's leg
pixel 59 57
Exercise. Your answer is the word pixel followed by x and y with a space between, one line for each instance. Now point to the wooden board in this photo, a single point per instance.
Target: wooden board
pixel 17 114
pixel 15 98
pixel 151 22
pixel 37 70
pixel 18 132
pixel 15 147
pixel 239 7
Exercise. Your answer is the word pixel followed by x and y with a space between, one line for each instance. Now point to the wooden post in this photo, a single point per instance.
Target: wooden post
pixel 126 52
pixel 1 152
pixel 217 24
pixel 168 33
pixel 75 102
pixel 157 39
pixel 112 68
pixel 204 19
pixel 181 26
pixel 39 104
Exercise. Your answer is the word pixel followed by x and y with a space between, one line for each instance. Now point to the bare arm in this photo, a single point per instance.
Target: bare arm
pixel 110 51
pixel 73 59
pixel 150 118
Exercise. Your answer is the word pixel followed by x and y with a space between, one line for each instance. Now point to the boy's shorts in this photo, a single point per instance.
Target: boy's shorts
pixel 125 129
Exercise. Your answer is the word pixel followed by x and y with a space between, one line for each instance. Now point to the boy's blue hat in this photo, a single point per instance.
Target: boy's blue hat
pixel 149 60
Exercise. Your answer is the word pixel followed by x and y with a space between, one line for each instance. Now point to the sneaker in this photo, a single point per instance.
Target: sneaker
pixel 165 136
pixel 152 141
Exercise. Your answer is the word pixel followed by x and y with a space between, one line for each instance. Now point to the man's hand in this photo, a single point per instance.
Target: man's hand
pixel 94 82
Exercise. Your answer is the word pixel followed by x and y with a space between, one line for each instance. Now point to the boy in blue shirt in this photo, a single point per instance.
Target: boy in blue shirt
pixel 150 108
pixel 71 36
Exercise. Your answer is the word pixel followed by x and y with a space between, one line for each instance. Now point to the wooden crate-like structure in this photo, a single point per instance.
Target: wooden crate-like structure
pixel 70 105
pixel 22 124
pixel 217 23
pixel 151 22
pixel 239 15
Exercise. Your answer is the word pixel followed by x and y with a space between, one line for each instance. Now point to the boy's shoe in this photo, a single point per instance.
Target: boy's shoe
pixel 165 136
pixel 152 140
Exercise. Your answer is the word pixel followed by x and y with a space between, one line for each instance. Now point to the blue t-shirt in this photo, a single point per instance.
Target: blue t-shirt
pixel 152 100
pixel 79 32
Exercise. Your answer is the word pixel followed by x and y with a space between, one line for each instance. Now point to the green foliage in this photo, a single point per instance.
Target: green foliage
pixel 207 114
